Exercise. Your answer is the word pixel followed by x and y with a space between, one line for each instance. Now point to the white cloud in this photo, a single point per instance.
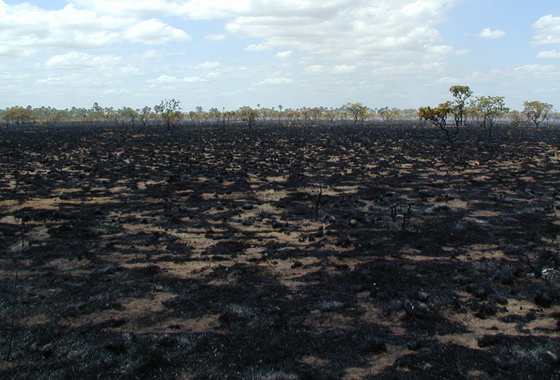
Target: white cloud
pixel 214 37
pixel 26 29
pixel 547 30
pixel 153 55
pixel 547 33
pixel 343 69
pixel 258 47
pixel 274 81
pixel 475 75
pixel 345 28
pixel 80 61
pixel 193 79
pixel 104 65
pixel 349 29
pixel 284 54
pixel 155 32
pixel 397 72
pixel 334 69
pixel 529 73
pixel 491 34
pixel 213 74
pixel 195 9
pixel 447 80
pixel 163 79
pixel 208 65
pixel 549 54
pixel 537 70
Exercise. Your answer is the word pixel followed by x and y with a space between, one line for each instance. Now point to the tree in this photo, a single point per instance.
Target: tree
pixel 19 115
pixel 306 113
pixel 249 115
pixel 514 117
pixel 315 113
pixel 330 115
pixel 357 110
pixel 215 114
pixel 50 115
pixel 490 109
pixel 461 94
pixel 387 113
pixel 127 114
pixel 536 111
pixel 144 114
pixel 293 116
pixel 438 116
pixel 109 113
pixel 170 111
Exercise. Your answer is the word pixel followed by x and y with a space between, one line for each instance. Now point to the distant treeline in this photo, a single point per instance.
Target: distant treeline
pixel 481 111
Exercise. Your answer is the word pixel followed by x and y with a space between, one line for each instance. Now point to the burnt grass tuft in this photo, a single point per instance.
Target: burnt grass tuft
pixel 369 252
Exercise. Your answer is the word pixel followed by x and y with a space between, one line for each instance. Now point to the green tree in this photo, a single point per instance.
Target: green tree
pixel 249 115
pixel 109 113
pixel 215 114
pixel 438 116
pixel 461 94
pixel 536 111
pixel 144 114
pixel 19 115
pixel 357 110
pixel 170 111
pixel 489 109
pixel 330 115
pixel 127 114
pixel 387 113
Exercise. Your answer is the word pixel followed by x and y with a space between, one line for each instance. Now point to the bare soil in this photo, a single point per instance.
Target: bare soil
pixel 345 252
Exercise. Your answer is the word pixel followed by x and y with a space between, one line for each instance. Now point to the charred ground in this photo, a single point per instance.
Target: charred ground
pixel 279 253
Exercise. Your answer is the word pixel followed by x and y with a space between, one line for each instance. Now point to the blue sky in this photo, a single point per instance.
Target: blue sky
pixel 294 53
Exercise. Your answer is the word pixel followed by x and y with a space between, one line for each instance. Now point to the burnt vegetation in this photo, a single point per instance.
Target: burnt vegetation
pixel 279 252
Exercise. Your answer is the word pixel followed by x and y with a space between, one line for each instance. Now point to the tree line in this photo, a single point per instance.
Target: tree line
pixel 170 113
pixel 483 110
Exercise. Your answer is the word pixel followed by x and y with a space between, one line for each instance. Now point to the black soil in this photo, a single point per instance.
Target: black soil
pixel 279 253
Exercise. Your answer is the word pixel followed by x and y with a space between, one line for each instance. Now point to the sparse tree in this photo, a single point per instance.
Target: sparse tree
pixel 306 113
pixel 110 114
pixel 170 111
pixel 461 94
pixel 330 115
pixel 536 111
pixel 293 116
pixel 230 116
pixel 19 115
pixel 387 113
pixel 215 114
pixel 489 109
pixel 144 114
pixel 249 115
pixel 127 114
pixel 438 116
pixel 315 113
pixel 50 115
pixel 357 110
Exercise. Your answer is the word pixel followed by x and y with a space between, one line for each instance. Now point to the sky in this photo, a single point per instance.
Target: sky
pixel 290 53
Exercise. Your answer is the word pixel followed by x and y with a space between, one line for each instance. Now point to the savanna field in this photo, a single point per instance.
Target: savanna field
pixel 279 252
